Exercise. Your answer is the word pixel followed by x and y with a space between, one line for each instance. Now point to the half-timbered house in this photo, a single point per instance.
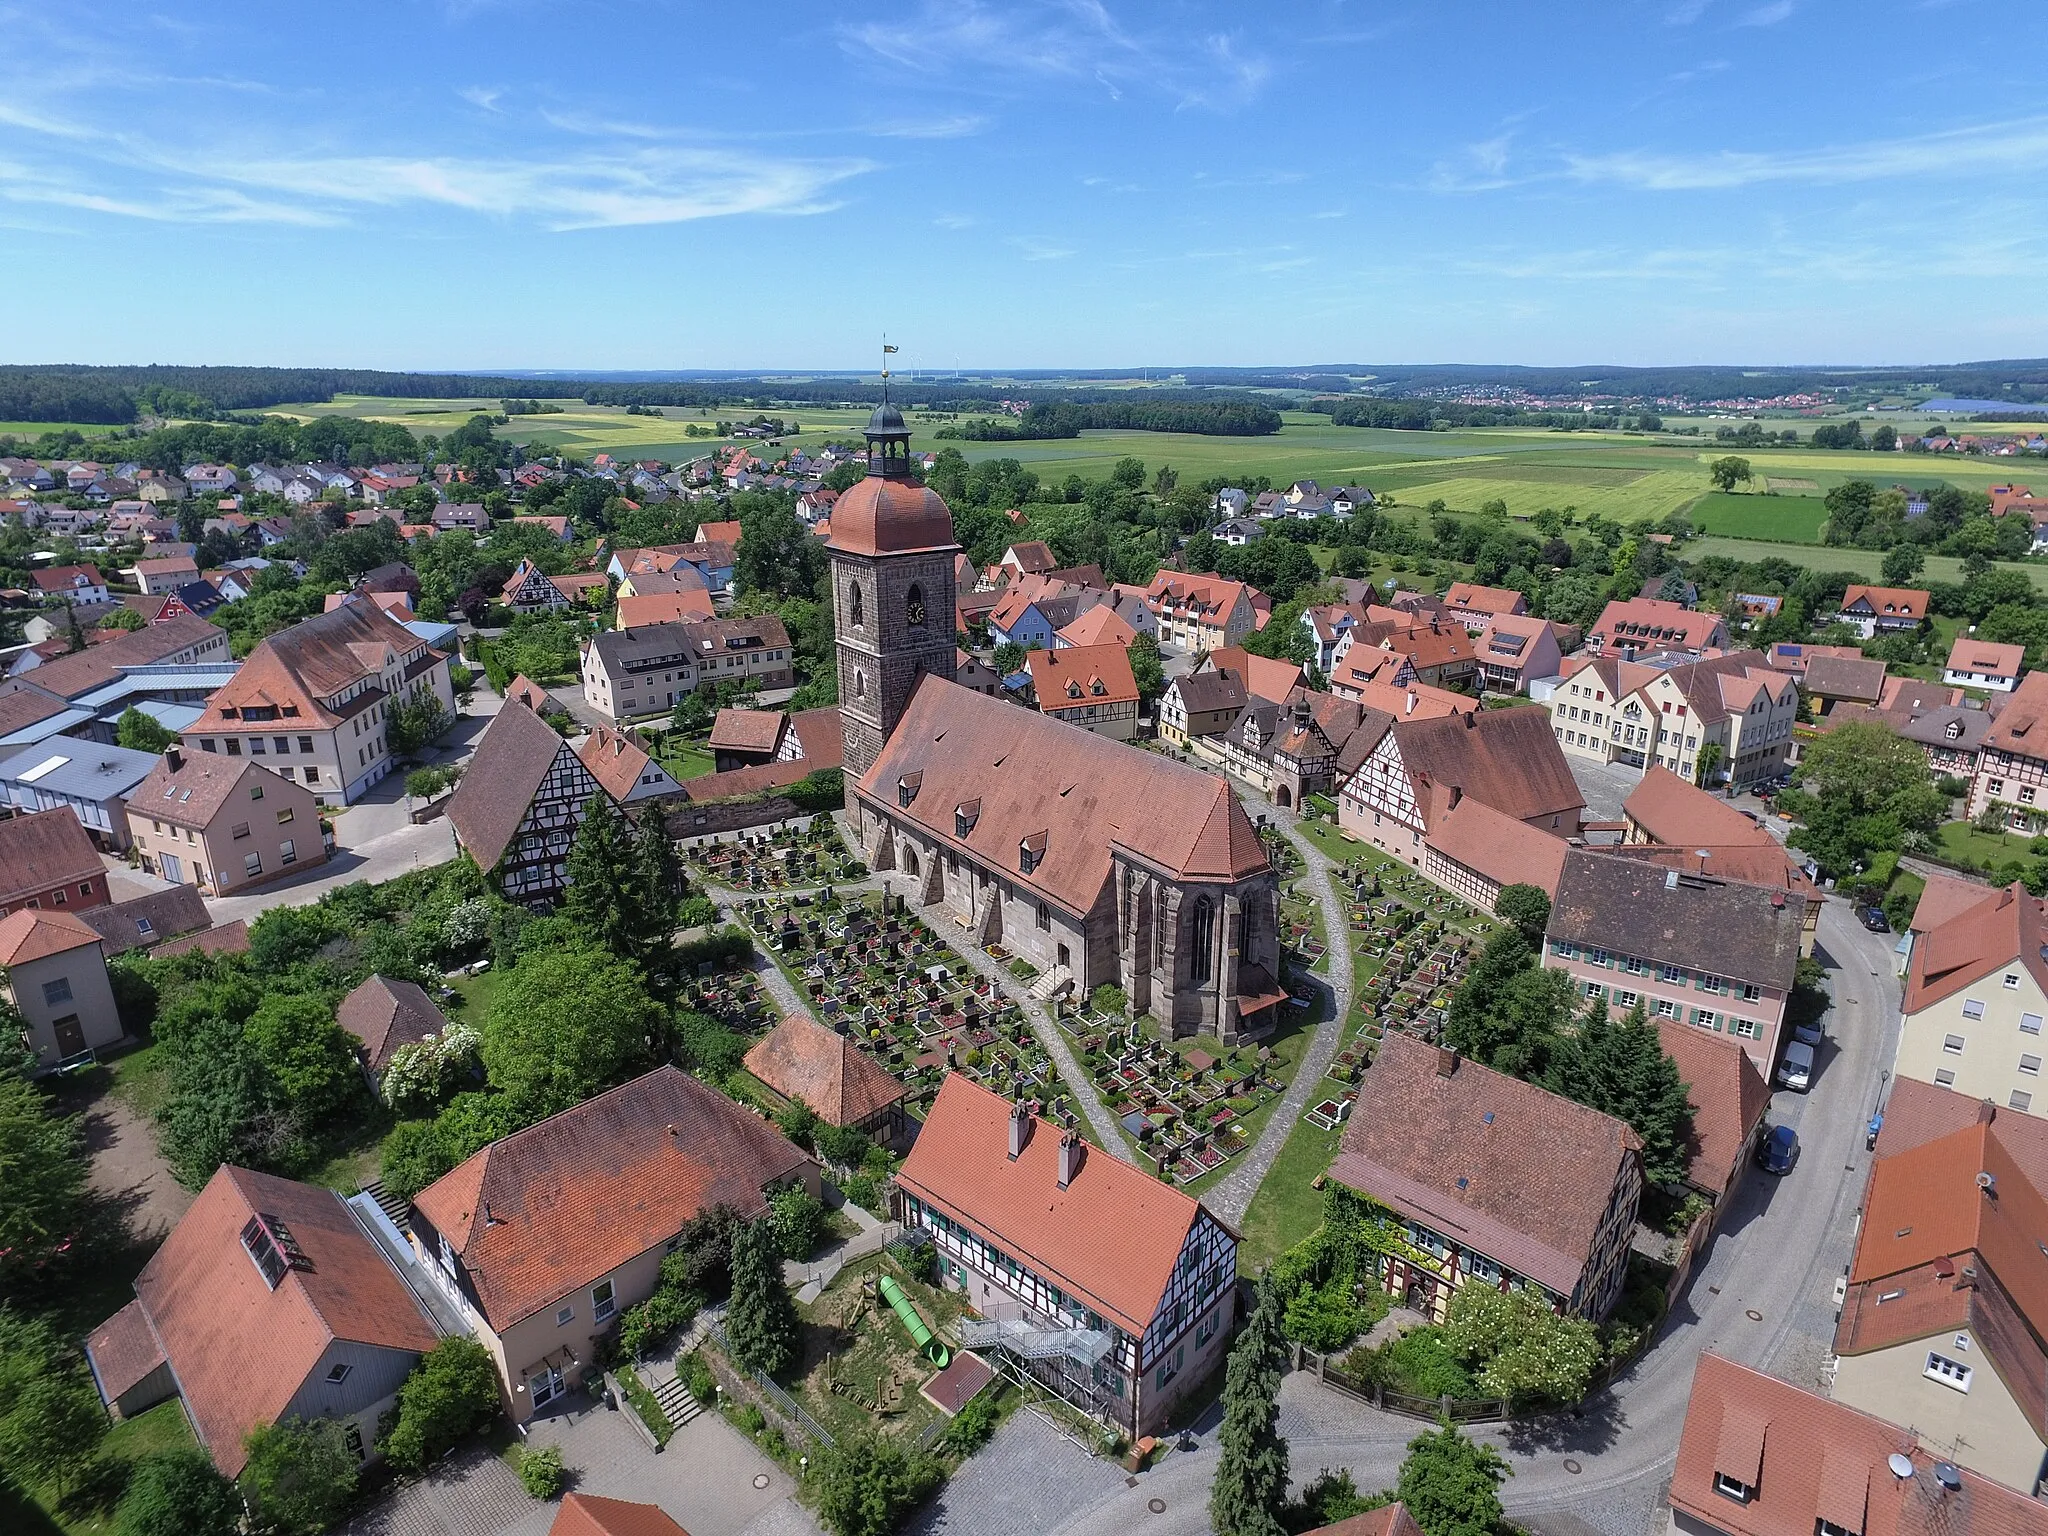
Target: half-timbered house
pixel 520 804
pixel 1096 1280
pixel 1506 758
pixel 530 590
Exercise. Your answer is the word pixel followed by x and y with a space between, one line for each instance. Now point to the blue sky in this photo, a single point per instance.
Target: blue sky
pixel 1042 183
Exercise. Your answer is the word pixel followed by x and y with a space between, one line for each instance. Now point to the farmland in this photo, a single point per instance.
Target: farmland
pixel 1865 563
pixel 1786 519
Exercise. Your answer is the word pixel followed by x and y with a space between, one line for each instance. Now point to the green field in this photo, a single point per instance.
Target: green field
pixel 1783 519
pixel 1866 563
pixel 38 428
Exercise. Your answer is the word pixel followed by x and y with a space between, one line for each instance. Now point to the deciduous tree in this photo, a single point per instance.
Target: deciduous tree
pixel 299 1476
pixel 567 1024
pixel 178 1493
pixel 42 1179
pixel 1451 1486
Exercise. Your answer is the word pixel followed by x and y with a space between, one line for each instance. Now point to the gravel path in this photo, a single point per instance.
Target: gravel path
pixel 1231 1196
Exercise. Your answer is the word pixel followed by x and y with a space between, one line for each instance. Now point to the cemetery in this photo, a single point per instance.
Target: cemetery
pixel 785 858
pixel 877 972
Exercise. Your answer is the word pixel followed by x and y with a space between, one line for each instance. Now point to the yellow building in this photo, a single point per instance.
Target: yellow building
pixel 1976 993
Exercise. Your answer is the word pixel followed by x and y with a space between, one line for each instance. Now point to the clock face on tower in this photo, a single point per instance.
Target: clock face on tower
pixel 913 607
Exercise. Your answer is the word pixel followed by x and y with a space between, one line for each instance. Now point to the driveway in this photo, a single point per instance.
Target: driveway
pixel 127 1169
pixel 1763 1295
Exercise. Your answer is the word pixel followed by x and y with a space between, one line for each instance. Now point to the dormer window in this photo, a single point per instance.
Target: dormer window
pixel 1031 852
pixel 907 787
pixel 965 815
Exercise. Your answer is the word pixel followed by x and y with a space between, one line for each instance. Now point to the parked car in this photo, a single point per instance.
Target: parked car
pixel 1807 1034
pixel 1874 919
pixel 1795 1071
pixel 1778 1150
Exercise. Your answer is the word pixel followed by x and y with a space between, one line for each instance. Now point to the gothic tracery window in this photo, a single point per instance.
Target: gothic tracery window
pixel 855 611
pixel 1203 932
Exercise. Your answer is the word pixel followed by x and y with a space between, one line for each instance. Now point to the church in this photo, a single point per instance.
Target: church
pixel 1096 862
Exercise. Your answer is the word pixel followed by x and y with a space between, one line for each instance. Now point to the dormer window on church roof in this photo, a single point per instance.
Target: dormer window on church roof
pixel 1031 852
pixel 907 788
pixel 965 815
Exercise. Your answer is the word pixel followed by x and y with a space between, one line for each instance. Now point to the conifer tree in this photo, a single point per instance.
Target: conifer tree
pixel 760 1321
pixel 1249 1494
pixel 604 879
pixel 1621 1069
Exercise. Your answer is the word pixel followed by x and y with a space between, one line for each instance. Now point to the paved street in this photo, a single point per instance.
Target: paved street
pixel 1762 1295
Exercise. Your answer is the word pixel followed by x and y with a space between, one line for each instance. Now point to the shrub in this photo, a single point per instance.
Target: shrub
pixel 178 1493
pixel 865 1191
pixel 703 1385
pixel 1326 1317
pixel 867 1486
pixel 300 1475
pixel 799 1218
pixel 973 1425
pixel 451 1393
pixel 541 1471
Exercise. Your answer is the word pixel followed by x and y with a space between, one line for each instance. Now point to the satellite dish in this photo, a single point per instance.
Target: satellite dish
pixel 1987 1182
pixel 1949 1475
pixel 1901 1465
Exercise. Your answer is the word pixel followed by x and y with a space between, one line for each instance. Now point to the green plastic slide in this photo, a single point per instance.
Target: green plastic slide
pixel 920 1335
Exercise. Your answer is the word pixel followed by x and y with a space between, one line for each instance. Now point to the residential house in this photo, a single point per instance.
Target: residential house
pixel 1719 955
pixel 1230 502
pixel 1981 664
pixel 88 779
pixel 268 1301
pixel 530 590
pixel 1089 686
pixel 1622 711
pixel 1034 609
pixel 520 804
pixel 1201 704
pixel 1435 649
pixel 1100 625
pixel 1952 735
pixel 462 517
pixel 586 1514
pixel 1631 626
pixel 224 824
pixel 1346 499
pixel 1505 757
pixel 1103 1283
pixel 1761 1457
pixel 1975 994
pixel 1515 651
pixel 53 969
pixel 1201 613
pixel 557 526
pixel 1328 624
pixel 1476 606
pixel 315 700
pixel 685 605
pixel 1302 746
pixel 209 479
pixel 1729 1099
pixel 975 675
pixel 70 584
pixel 159 576
pixel 386 1015
pixel 1265 677
pixel 1943 1320
pixel 1033 557
pixel 740 737
pixel 635 674
pixel 1476 851
pixel 802 1061
pixel 142 922
pixel 544 1237
pixel 1675 825
pixel 619 763
pixel 1491 1181
pixel 1672 588
pixel 2012 762
pixel 1237 532
pixel 46 862
pixel 1881 610
pixel 726 532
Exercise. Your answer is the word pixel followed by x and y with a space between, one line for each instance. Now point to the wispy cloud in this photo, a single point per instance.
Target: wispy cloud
pixel 961 126
pixel 1080 41
pixel 1991 147
pixel 1036 249
pixel 485 97
pixel 625 180
pixel 955 221
pixel 1766 15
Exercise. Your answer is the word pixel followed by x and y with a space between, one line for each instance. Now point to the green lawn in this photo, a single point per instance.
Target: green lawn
pixel 162 1428
pixel 1960 841
pixel 687 761
pixel 38 428
pixel 1286 1209
pixel 1793 519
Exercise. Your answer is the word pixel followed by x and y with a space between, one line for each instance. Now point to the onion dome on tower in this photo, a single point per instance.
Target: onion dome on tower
pixel 889 513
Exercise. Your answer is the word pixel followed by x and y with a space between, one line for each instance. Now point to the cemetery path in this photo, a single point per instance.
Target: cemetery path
pixel 1231 1196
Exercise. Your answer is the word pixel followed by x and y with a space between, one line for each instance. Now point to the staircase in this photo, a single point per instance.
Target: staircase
pixel 1084 1346
pixel 1053 983
pixel 398 1212
pixel 675 1397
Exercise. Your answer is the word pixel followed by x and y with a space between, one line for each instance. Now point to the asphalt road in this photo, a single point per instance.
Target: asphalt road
pixel 1763 1295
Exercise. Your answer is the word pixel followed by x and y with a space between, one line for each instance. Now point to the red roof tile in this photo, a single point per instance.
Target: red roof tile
pixel 1112 1236
pixel 585 1514
pixel 1728 1095
pixel 44 850
pixel 1670 810
pixel 32 934
pixel 1537 1171
pixel 802 1059
pixel 2006 926
pixel 550 1208
pixel 1807 1459
pixel 122 1351
pixel 239 1349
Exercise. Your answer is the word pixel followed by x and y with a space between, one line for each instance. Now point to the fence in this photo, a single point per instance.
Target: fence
pixel 778 1400
pixel 1459 1410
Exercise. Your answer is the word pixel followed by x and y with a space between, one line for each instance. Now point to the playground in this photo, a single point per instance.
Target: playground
pixel 874 1339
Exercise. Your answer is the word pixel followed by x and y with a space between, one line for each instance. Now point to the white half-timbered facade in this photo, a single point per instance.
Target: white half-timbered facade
pixel 534 863
pixel 530 591
pixel 1377 803
pixel 1091 1277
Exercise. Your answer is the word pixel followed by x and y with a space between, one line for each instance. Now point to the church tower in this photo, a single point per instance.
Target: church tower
pixel 892 550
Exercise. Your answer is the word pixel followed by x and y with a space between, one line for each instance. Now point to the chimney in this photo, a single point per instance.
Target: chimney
pixel 1411 703
pixel 1020 1129
pixel 1471 719
pixel 1070 1157
pixel 174 757
pixel 1446 1061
